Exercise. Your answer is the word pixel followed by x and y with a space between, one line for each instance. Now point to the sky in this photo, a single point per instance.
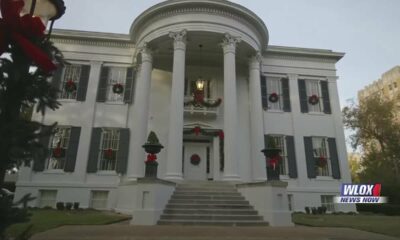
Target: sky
pixel 368 31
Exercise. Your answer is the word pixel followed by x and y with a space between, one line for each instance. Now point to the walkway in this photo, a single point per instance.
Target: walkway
pixel 127 232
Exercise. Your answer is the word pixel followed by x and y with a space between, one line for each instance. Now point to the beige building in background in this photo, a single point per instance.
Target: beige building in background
pixel 388 85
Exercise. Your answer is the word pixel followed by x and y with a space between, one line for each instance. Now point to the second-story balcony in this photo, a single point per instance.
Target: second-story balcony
pixel 206 107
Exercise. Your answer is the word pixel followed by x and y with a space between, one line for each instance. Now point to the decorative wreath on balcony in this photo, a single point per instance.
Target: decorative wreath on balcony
pixel 198 101
pixel 313 100
pixel 195 159
pixel 118 88
pixel 321 162
pixel 70 86
pixel 273 97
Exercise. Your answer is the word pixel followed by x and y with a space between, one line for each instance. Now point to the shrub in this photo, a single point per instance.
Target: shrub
pixel 68 205
pixel 307 210
pixel 387 209
pixel 60 205
pixel 314 210
pixel 76 205
pixel 324 209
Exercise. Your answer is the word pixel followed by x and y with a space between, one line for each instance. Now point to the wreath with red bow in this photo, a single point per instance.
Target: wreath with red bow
pixel 313 100
pixel 195 159
pixel 58 152
pixel 321 162
pixel 70 86
pixel 109 154
pixel 273 97
pixel 118 88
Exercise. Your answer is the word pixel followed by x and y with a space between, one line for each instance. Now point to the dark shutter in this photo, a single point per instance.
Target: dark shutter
pixel 38 164
pixel 123 151
pixel 291 155
pixel 310 161
pixel 286 95
pixel 186 86
pixel 264 97
pixel 325 97
pixel 102 89
pixel 72 150
pixel 334 158
pixel 303 96
pixel 129 85
pixel 56 80
pixel 83 83
pixel 94 150
pixel 266 140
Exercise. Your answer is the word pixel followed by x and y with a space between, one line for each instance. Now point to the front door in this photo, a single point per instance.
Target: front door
pixel 195 161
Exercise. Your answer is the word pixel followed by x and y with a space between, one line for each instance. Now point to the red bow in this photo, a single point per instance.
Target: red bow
pixel 57 152
pixel 19 30
pixel 197 130
pixel 274 161
pixel 199 96
pixel 221 135
pixel 151 157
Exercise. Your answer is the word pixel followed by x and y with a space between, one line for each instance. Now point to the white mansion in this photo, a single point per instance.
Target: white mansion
pixel 202 76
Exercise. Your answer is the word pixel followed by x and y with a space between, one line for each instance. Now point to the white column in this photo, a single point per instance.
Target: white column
pixel 256 120
pixel 231 171
pixel 175 133
pixel 138 118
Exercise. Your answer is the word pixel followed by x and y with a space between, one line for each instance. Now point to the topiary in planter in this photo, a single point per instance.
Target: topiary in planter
pixel 152 144
pixel 76 205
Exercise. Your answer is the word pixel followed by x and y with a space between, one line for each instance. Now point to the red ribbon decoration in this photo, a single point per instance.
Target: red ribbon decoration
pixel 199 96
pixel 151 157
pixel 57 152
pixel 274 161
pixel 221 135
pixel 19 30
pixel 197 131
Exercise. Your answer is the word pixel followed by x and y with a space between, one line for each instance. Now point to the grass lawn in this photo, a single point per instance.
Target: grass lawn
pixel 388 225
pixel 43 220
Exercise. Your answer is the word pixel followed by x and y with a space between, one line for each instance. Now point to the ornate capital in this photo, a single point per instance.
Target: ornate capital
pixel 255 61
pixel 179 39
pixel 229 43
pixel 146 52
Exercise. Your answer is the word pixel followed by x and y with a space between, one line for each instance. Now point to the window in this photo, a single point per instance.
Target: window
pixel 99 199
pixel 70 77
pixel 327 201
pixel 109 149
pixel 47 198
pixel 321 156
pixel 279 142
pixel 116 75
pixel 58 146
pixel 313 88
pixel 390 87
pixel 290 202
pixel 395 84
pixel 274 88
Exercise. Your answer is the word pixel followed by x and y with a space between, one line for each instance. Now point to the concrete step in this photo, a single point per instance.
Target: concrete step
pixel 213 223
pixel 206 201
pixel 211 211
pixel 211 190
pixel 205 197
pixel 210 217
pixel 207 193
pixel 208 206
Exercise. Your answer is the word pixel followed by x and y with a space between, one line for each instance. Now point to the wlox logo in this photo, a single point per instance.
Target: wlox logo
pixel 360 193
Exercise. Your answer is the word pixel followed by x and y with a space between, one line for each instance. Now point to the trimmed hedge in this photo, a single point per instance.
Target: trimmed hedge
pixel 387 209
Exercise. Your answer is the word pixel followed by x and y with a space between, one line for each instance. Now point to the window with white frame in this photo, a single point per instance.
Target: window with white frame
pixel 327 201
pixel 58 148
pixel 274 91
pixel 70 81
pixel 98 199
pixel 278 141
pixel 109 149
pixel 116 78
pixel 321 156
pixel 313 88
pixel 47 198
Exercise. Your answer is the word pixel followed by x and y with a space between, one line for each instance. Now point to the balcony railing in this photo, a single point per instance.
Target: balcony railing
pixel 196 109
